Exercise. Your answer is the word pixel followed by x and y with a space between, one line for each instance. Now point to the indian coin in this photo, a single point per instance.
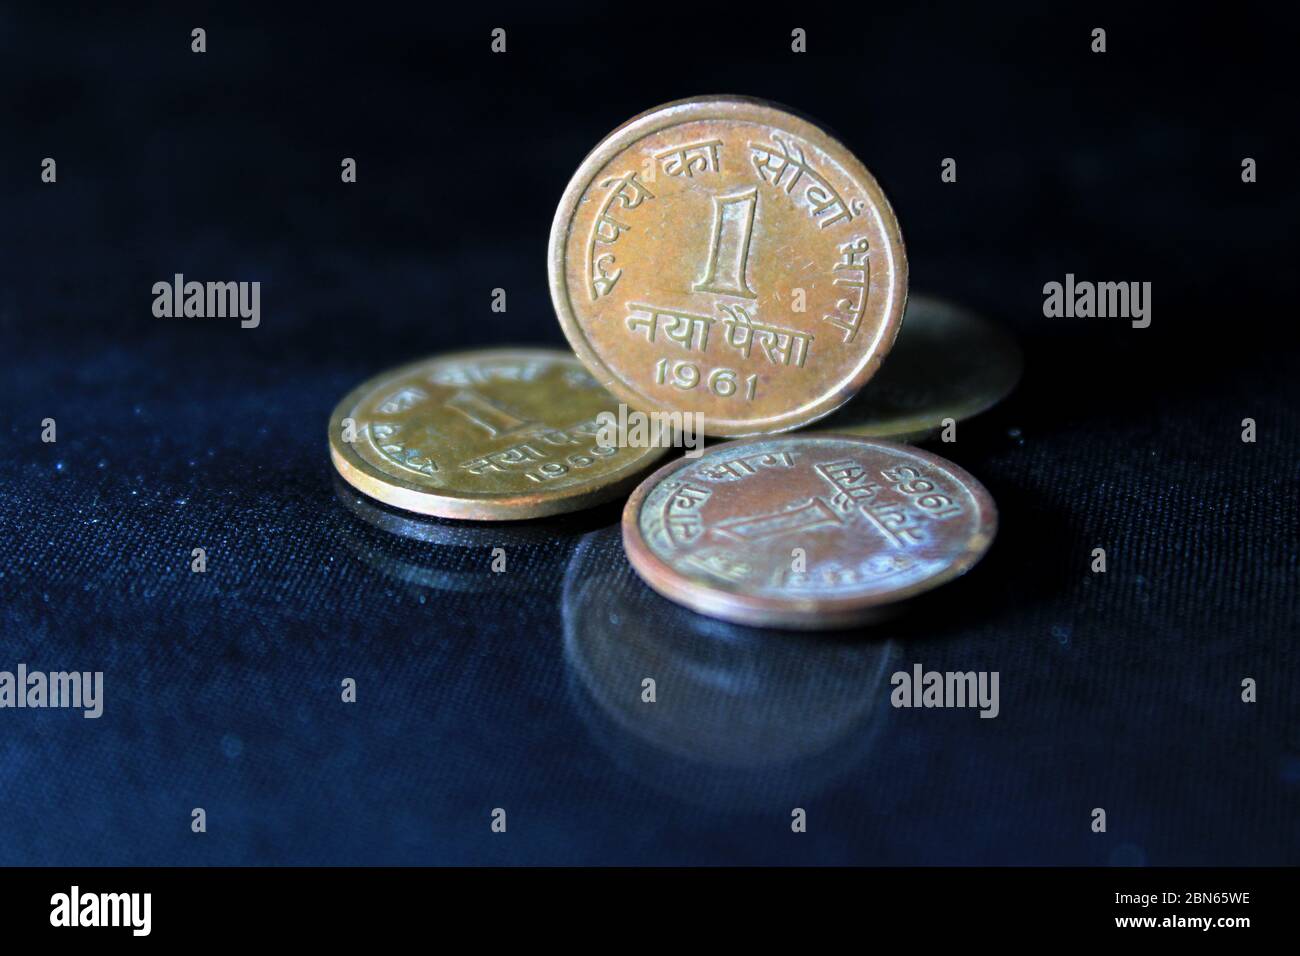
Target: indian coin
pixel 723 256
pixel 493 435
pixel 948 362
pixel 806 531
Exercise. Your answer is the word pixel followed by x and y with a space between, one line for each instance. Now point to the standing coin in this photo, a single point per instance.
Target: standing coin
pixel 492 435
pixel 805 531
pixel 723 256
pixel 947 363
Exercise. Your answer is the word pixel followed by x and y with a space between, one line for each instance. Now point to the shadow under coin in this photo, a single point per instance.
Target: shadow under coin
pixel 462 556
pixel 741 716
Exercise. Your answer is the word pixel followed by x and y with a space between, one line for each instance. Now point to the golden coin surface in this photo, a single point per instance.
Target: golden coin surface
pixel 493 435
pixel 721 255
pixel 947 362
pixel 805 531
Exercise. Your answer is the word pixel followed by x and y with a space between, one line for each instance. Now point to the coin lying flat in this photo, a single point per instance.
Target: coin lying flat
pixel 723 256
pixel 492 435
pixel 948 362
pixel 806 531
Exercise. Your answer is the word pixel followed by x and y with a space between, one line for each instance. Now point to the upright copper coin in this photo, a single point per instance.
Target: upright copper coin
pixel 491 435
pixel 948 363
pixel 805 531
pixel 723 256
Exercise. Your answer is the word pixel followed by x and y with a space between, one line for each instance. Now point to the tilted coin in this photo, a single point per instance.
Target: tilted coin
pixel 723 256
pixel 948 362
pixel 805 531
pixel 492 435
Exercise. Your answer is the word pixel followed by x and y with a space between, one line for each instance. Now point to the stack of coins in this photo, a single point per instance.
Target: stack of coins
pixel 724 261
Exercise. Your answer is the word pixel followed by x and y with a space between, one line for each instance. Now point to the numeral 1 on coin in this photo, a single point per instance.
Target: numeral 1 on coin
pixel 487 416
pixel 733 283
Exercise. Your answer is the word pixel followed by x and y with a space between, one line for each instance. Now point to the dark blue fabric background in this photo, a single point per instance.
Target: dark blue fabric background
pixel 521 690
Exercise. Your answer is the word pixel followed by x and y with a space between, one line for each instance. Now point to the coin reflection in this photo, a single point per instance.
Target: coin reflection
pixel 445 555
pixel 947 362
pixel 739 713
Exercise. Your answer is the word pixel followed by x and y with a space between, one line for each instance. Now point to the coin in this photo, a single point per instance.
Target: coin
pixel 721 255
pixel 805 531
pixel 948 363
pixel 493 435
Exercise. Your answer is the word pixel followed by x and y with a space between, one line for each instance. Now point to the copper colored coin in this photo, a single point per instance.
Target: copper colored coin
pixel 721 255
pixel 805 531
pixel 493 435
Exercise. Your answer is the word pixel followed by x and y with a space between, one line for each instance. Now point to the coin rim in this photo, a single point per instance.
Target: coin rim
pixel 808 613
pixel 401 492
pixel 725 107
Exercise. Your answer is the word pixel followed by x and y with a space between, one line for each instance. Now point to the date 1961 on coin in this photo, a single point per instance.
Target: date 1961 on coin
pixel 727 257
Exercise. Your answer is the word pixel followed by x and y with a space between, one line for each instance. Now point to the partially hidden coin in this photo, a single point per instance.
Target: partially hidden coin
pixel 723 256
pixel 498 434
pixel 805 531
pixel 947 363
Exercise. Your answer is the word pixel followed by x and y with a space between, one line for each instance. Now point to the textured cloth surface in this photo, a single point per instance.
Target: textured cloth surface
pixel 522 690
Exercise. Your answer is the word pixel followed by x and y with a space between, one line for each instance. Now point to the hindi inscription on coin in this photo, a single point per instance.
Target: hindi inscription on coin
pixel 805 531
pixel 721 255
pixel 492 435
